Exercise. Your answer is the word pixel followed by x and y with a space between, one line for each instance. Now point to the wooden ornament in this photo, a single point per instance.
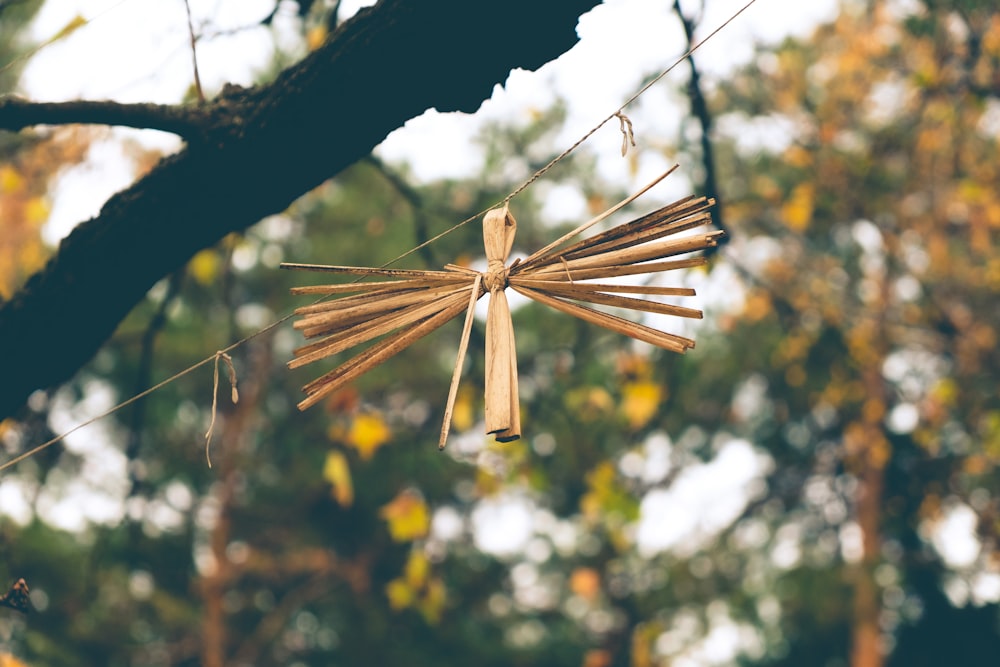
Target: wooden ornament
pixel 414 303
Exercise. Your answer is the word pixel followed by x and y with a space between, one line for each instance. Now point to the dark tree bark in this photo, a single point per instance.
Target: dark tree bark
pixel 251 153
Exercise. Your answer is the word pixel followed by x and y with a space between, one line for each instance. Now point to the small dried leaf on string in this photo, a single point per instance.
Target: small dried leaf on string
pixel 234 395
pixel 625 125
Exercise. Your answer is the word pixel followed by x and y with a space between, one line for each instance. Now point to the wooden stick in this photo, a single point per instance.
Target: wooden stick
pixel 628 303
pixel 461 269
pixel 671 342
pixel 463 346
pixel 366 270
pixel 624 238
pixel 347 328
pixel 396 321
pixel 617 271
pixel 349 288
pixel 545 285
pixel 373 356
pixel 593 221
pixel 639 236
pixel 324 322
pixel 638 254
pixel 669 212
pixel 345 301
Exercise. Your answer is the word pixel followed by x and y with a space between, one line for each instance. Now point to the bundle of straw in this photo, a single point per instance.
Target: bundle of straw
pixel 415 303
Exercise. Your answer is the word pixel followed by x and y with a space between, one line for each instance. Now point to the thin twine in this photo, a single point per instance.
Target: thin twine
pixel 521 188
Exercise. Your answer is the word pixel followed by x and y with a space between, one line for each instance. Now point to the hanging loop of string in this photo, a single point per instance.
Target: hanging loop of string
pixel 234 396
pixel 617 113
pixel 625 126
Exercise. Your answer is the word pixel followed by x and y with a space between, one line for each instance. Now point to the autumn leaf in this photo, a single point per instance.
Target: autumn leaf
pixel 315 37
pixel 400 594
pixel 798 209
pixel 431 604
pixel 407 516
pixel 640 401
pixel 338 473
pixel 366 433
pixel 417 569
pixel 204 266
pixel 417 589
pixel 597 657
pixel 642 644
pixel 463 414
pixel 606 498
pixel 585 582
pixel 10 179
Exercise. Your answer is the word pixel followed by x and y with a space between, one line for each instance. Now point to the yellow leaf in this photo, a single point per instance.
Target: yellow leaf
pixel 416 570
pixel 10 179
pixel 642 645
pixel 432 602
pixel 601 485
pixel 367 433
pixel 337 471
pixel 407 517
pixel 640 401
pixel 400 594
pixel 315 37
pixel 463 415
pixel 204 266
pixel 7 660
pixel 757 305
pixel 36 210
pixel 797 211
pixel 74 24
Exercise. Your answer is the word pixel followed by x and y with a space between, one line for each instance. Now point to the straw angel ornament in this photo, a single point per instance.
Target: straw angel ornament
pixel 414 303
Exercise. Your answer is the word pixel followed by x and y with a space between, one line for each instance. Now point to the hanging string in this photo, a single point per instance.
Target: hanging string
pixel 235 397
pixel 617 113
pixel 625 126
pixel 176 376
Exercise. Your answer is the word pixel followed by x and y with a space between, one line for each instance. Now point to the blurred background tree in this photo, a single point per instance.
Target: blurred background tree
pixel 815 484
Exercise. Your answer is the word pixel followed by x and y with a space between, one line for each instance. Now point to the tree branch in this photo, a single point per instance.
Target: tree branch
pixel 17 113
pixel 261 149
pixel 413 198
pixel 699 109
